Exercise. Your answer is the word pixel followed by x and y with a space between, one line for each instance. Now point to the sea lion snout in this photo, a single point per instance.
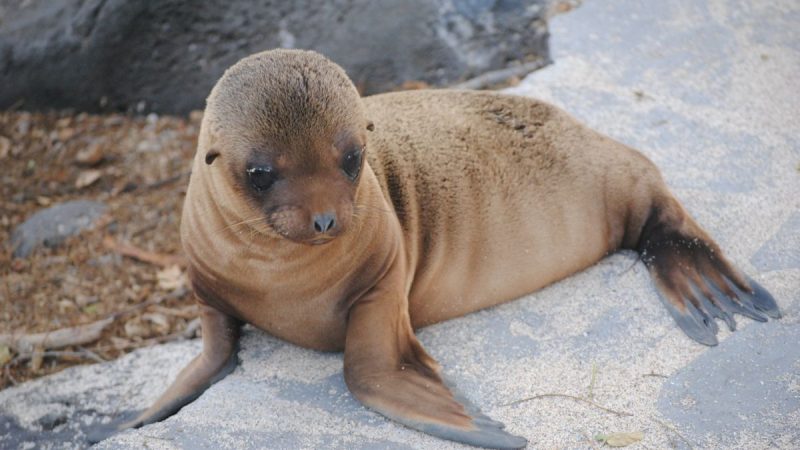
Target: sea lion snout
pixel 324 222
pixel 309 210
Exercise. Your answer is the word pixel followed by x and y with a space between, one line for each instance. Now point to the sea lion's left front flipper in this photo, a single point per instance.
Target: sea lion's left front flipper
pixel 387 369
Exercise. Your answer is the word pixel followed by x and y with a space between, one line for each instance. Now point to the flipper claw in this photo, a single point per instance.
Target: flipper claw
pixel 694 323
pixel 763 300
pixel 717 312
pixel 740 303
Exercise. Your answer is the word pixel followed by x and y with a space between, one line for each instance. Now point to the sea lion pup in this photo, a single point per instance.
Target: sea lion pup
pixel 341 223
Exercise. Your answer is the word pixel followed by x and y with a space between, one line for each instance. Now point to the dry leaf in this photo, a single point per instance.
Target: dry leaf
pixel 119 343
pixel 134 328
pixel 513 80
pixel 65 306
pixel 196 116
pixel 170 278
pixel 37 359
pixel 91 155
pixel 620 439
pixel 65 134
pixel 159 321
pixel 84 300
pixel 192 329
pixel 5 147
pixel 5 355
pixel 563 7
pixel 87 178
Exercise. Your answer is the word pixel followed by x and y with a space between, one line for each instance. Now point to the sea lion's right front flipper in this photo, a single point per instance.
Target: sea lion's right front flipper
pixel 387 369
pixel 220 345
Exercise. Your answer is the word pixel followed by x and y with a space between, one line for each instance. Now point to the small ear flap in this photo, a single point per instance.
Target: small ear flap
pixel 370 126
pixel 211 156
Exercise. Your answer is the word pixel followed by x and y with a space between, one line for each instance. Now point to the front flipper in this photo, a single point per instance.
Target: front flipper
pixel 387 369
pixel 695 281
pixel 220 343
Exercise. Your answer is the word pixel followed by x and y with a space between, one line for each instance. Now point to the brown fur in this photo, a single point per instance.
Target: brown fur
pixel 467 200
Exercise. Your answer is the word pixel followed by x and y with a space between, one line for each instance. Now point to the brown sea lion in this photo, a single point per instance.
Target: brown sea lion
pixel 341 223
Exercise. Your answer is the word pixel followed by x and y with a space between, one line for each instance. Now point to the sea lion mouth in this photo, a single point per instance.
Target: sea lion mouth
pixel 321 240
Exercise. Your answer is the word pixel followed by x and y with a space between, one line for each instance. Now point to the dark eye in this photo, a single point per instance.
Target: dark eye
pixel 261 177
pixel 351 163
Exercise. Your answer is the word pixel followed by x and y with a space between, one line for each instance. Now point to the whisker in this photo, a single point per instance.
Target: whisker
pixel 243 222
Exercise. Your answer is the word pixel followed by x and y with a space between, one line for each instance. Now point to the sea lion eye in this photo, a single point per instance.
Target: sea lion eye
pixel 261 177
pixel 351 163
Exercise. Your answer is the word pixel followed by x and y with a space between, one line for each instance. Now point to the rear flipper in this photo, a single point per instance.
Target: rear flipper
pixel 695 281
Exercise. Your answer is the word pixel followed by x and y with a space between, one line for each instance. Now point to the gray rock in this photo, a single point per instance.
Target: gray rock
pixel 748 387
pixel 58 411
pixel 165 56
pixel 51 226
pixel 783 250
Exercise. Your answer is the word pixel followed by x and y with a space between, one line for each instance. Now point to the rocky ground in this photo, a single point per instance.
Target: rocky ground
pixel 134 170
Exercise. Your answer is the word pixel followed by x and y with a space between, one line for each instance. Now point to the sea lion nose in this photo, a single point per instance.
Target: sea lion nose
pixel 324 222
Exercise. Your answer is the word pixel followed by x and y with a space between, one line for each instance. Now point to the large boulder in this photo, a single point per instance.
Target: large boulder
pixel 165 56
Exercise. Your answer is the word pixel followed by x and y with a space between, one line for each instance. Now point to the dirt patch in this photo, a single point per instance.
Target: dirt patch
pixel 139 167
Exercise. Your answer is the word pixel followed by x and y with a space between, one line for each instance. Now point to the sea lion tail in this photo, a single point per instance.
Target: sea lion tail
pixel 695 281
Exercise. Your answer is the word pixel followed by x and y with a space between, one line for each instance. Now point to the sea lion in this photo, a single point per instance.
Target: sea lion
pixel 341 223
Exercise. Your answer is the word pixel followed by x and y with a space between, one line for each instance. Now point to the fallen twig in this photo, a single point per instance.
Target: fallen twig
pixel 177 293
pixel 142 255
pixel 653 374
pixel 670 428
pixel 92 355
pixel 186 312
pixel 81 334
pixel 7 370
pixel 85 354
pixel 572 397
pixel 498 76
pixel 187 333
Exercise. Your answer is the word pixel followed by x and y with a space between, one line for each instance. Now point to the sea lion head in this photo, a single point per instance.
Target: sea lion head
pixel 286 130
